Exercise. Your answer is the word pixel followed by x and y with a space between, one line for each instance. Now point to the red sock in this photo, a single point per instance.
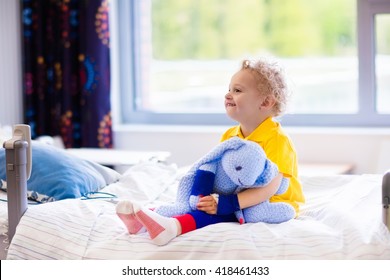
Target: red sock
pixel 187 223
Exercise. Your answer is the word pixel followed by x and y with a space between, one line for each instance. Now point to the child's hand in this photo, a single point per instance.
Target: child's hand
pixel 207 204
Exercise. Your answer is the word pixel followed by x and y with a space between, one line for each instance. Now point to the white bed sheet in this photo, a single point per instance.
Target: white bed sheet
pixel 3 213
pixel 3 226
pixel 340 220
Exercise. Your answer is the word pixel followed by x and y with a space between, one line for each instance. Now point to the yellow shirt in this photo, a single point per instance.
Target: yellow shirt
pixel 280 150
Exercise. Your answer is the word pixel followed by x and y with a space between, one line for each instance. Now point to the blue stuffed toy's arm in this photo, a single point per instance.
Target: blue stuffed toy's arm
pixel 283 185
pixel 226 204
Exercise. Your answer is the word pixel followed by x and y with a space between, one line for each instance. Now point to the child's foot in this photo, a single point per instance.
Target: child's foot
pixel 124 210
pixel 161 229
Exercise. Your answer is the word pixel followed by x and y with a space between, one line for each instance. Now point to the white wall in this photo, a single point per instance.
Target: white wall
pixel 365 148
pixel 368 149
pixel 11 104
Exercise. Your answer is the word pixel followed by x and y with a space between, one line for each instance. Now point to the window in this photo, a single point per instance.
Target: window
pixel 382 63
pixel 177 57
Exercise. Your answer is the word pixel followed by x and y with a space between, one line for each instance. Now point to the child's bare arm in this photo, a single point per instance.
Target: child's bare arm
pixel 250 197
pixel 246 198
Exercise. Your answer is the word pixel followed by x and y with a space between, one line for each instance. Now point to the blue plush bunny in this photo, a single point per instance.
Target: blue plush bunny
pixel 230 167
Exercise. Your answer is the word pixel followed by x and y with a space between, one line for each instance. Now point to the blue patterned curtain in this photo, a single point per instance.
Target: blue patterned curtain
pixel 67 70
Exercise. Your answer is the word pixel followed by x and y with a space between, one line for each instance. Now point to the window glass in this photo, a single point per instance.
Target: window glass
pixel 382 62
pixel 190 48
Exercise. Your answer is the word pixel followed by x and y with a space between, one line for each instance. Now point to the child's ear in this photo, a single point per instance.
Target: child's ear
pixel 268 102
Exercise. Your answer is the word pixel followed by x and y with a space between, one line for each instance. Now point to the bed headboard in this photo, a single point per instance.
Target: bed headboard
pixel 18 170
pixel 386 198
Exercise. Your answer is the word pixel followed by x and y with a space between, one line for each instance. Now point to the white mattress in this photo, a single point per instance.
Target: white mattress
pixel 3 226
pixel 340 220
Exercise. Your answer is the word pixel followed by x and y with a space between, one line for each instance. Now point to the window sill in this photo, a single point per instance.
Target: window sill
pixel 169 128
pixel 220 129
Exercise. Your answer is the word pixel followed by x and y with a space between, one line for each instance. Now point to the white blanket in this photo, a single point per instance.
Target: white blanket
pixel 340 220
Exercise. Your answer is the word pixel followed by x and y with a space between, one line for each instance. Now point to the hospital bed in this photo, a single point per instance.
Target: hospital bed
pixel 344 217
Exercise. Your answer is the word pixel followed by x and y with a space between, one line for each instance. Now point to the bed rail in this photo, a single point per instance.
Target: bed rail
pixel 18 170
pixel 386 198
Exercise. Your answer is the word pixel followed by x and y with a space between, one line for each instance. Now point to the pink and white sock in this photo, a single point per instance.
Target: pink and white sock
pixel 125 211
pixel 161 229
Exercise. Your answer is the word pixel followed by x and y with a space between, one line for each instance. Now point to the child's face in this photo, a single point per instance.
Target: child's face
pixel 243 101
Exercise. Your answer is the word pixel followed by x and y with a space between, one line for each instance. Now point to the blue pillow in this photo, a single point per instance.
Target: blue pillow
pixel 57 175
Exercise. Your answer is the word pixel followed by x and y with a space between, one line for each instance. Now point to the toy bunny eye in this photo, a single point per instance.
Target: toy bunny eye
pixel 238 168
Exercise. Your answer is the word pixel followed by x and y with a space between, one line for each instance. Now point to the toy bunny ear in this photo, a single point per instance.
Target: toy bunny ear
pixel 270 172
pixel 217 152
pixel 233 143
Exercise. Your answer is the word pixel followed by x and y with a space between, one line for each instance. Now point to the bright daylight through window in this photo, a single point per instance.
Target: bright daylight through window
pixel 382 63
pixel 197 45
pixel 185 51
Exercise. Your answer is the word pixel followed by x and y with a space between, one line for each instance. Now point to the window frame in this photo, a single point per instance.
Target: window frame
pixel 126 46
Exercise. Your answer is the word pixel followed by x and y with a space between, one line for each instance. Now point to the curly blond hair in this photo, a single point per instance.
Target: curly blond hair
pixel 270 81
